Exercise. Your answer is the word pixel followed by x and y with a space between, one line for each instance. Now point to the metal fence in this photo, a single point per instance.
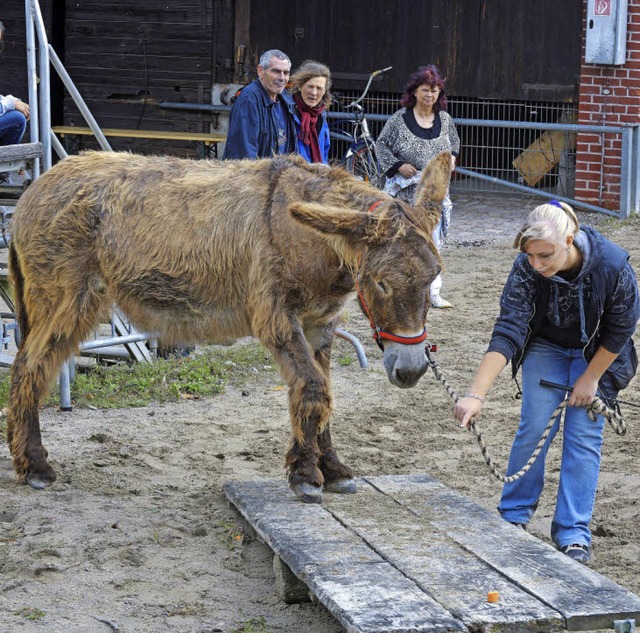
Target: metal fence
pixel 548 162
pixel 524 145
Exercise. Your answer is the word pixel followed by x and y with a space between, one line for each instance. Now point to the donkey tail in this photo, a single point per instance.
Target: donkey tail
pixel 17 280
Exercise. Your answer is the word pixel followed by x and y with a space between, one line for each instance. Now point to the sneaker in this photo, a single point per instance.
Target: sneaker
pixel 521 526
pixel 577 551
pixel 438 302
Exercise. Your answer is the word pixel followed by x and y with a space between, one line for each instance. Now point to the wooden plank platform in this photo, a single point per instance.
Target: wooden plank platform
pixel 10 154
pixel 407 554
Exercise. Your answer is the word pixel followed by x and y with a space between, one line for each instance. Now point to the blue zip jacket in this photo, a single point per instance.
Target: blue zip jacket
pixel 602 303
pixel 252 124
pixel 323 138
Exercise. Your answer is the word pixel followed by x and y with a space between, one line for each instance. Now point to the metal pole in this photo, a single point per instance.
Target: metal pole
pixel 626 167
pixel 79 101
pixel 65 388
pixel 32 79
pixel 362 357
pixel 45 91
pixel 57 146
pixel 536 192
pixel 635 170
pixel 116 340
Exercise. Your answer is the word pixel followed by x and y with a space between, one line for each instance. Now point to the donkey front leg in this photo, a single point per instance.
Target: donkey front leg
pixel 337 476
pixel 309 410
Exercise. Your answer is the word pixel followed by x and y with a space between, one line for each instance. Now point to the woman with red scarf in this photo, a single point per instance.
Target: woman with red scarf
pixel 310 89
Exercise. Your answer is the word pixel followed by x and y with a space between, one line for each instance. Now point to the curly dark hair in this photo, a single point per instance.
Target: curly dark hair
pixel 429 75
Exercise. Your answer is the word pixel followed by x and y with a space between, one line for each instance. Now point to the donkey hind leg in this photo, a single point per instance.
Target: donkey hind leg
pixel 50 340
pixel 337 476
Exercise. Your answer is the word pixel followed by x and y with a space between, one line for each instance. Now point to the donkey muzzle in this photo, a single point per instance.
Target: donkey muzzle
pixel 405 364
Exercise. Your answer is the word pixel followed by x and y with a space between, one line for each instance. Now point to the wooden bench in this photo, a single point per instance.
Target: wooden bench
pixel 208 140
pixel 408 554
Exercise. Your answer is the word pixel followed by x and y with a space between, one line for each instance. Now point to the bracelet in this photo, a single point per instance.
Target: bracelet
pixel 473 395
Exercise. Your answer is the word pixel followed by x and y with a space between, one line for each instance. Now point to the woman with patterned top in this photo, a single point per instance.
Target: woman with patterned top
pixel 567 314
pixel 411 138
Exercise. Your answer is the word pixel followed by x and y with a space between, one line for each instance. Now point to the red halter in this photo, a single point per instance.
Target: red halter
pixel 378 333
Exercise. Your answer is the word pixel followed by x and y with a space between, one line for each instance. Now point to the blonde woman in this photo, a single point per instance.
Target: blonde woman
pixel 567 314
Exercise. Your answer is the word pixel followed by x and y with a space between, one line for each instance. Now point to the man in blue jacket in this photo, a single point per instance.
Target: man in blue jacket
pixel 261 124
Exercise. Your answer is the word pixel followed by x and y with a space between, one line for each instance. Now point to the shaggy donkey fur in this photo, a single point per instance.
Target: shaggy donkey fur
pixel 207 252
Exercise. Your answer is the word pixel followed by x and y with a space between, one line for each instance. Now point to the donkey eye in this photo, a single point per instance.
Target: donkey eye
pixel 381 287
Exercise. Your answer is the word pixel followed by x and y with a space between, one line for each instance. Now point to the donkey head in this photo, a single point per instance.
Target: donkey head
pixel 394 261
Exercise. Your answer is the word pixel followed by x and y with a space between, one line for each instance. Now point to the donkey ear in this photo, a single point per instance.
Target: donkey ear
pixel 434 183
pixel 357 225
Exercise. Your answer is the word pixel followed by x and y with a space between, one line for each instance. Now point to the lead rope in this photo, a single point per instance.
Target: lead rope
pixel 597 407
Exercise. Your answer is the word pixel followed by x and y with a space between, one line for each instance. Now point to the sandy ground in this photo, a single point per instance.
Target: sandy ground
pixel 136 534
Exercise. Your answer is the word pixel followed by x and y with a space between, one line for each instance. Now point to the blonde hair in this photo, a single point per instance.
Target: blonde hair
pixel 308 70
pixel 551 222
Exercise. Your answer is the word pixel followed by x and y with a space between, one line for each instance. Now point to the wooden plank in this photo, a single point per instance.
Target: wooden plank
pixel 20 152
pixel 543 155
pixel 452 575
pixel 203 137
pixel 362 590
pixel 585 599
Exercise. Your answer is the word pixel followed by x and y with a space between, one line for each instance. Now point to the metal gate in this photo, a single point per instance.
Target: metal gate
pixel 530 150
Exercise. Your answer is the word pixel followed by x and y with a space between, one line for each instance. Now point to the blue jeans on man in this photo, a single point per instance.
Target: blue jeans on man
pixel 12 127
pixel 581 444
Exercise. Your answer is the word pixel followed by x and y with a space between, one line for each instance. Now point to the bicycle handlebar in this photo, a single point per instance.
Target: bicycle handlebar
pixel 375 73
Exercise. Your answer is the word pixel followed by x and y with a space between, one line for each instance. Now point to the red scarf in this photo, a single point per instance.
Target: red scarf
pixel 309 126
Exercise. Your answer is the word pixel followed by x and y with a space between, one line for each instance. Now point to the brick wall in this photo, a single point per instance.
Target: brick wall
pixel 609 95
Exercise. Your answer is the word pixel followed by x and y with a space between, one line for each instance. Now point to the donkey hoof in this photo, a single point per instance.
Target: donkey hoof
pixel 39 481
pixel 342 486
pixel 307 493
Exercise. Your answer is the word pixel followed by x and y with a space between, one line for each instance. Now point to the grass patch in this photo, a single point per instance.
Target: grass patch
pixel 30 613
pixel 345 361
pixel 136 385
pixel 232 535
pixel 254 625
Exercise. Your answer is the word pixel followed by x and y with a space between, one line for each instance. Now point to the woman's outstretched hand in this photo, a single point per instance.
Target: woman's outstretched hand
pixel 467 409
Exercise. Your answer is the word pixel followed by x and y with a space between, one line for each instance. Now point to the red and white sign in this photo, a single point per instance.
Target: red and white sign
pixel 602 7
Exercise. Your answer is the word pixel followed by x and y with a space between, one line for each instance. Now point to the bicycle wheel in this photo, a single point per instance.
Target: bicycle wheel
pixel 363 164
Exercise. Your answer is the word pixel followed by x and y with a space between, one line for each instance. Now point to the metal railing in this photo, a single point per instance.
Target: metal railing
pixel 498 155
pixel 40 55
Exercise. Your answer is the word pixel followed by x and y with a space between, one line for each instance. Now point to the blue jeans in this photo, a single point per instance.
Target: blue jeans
pixel 581 443
pixel 12 127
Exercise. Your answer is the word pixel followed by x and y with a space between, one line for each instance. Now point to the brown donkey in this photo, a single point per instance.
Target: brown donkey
pixel 208 252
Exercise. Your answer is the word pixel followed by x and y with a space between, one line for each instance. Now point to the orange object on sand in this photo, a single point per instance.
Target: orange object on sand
pixel 493 596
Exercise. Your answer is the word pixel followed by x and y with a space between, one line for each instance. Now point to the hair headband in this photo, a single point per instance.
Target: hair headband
pixel 555 203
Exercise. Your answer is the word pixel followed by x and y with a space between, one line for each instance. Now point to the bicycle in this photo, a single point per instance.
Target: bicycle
pixel 360 158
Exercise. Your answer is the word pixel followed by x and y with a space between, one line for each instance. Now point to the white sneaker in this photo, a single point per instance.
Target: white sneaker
pixel 438 302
